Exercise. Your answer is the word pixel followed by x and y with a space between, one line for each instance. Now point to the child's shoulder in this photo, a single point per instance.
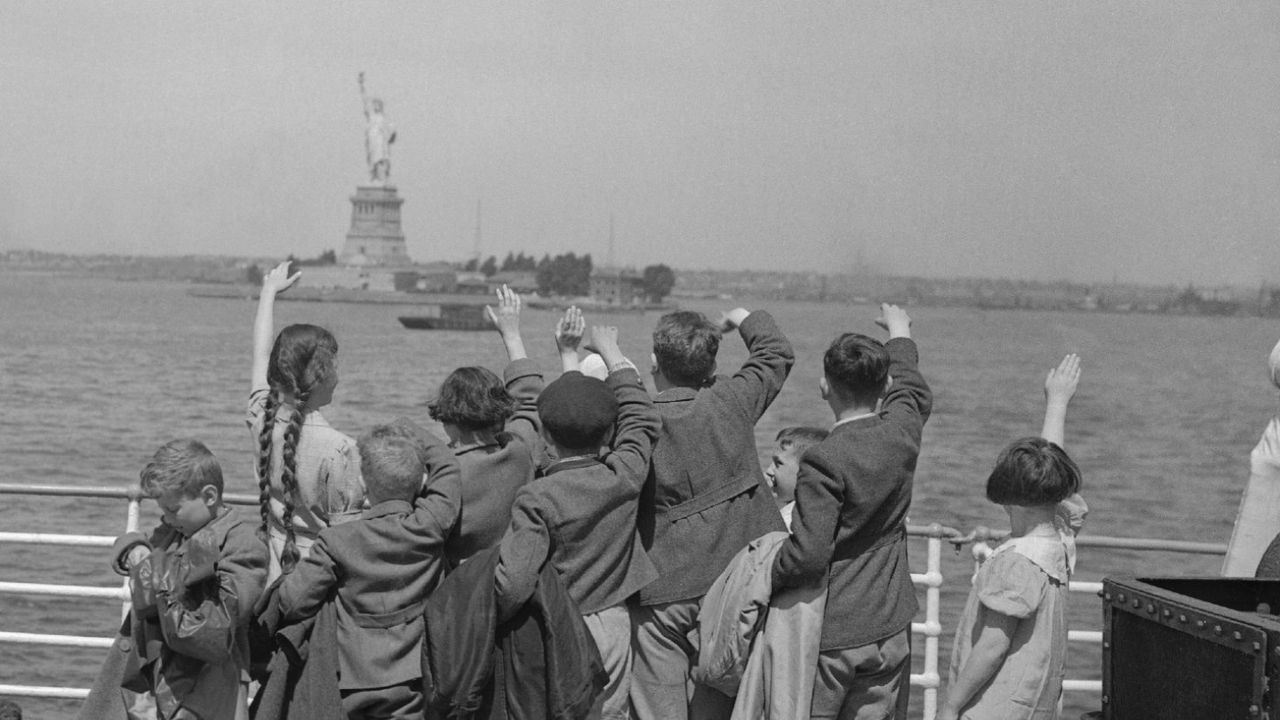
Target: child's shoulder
pixel 235 528
pixel 1010 583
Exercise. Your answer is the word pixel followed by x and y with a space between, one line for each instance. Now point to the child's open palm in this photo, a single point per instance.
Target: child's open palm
pixel 570 329
pixel 1062 381
pixel 278 279
pixel 507 316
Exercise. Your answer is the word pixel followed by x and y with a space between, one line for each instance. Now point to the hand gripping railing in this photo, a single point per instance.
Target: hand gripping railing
pixel 931 580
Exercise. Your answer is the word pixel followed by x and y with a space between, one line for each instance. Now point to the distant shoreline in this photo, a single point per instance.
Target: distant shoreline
pixel 232 273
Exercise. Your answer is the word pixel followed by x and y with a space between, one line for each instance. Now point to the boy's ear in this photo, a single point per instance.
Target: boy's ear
pixel 653 365
pixel 888 383
pixel 210 495
pixel 824 387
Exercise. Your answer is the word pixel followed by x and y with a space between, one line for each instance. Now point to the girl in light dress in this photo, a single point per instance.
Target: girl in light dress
pixel 308 473
pixel 1009 655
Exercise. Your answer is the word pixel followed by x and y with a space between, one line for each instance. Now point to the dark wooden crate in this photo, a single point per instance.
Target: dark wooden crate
pixel 1190 648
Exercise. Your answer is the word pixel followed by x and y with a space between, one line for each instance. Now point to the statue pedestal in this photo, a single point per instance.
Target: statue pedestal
pixel 375 237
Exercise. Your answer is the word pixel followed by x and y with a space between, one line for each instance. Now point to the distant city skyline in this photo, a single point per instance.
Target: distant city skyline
pixel 1086 142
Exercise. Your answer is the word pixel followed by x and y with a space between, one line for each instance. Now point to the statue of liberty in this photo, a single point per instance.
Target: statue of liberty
pixel 378 136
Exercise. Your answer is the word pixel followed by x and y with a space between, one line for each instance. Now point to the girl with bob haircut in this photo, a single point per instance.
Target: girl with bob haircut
pixel 308 473
pixel 493 427
pixel 1010 651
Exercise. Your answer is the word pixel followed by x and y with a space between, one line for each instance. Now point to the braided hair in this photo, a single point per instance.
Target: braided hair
pixel 302 357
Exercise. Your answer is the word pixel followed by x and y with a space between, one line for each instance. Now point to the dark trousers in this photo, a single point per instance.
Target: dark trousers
pixel 397 702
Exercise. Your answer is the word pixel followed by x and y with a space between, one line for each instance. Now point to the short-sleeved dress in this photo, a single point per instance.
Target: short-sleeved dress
pixel 1025 578
pixel 330 489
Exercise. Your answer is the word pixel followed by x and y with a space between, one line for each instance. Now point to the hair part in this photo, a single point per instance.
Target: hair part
pixel 185 466
pixel 473 398
pixel 685 344
pixel 302 357
pixel 856 366
pixel 798 439
pixel 1033 472
pixel 391 464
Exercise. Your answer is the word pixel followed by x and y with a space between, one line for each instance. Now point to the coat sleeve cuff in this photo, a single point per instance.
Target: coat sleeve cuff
pixel 120 550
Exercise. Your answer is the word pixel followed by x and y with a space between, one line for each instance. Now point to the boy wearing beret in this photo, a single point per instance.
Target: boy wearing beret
pixel 581 513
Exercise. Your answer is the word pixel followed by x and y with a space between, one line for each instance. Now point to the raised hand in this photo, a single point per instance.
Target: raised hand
pixel 895 320
pixel 604 340
pixel 278 279
pixel 731 319
pixel 507 317
pixel 1060 385
pixel 569 330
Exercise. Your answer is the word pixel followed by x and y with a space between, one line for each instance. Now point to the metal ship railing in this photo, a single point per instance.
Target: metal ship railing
pixel 932 580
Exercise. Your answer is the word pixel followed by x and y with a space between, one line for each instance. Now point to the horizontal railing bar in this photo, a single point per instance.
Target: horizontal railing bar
pixel 44 692
pixel 1090 686
pixel 63 640
pixel 123 492
pixel 1085 586
pixel 56 539
pixel 1178 546
pixel 87 591
pixel 1093 637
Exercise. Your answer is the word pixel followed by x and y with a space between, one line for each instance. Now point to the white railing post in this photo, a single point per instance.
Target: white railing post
pixel 932 619
pixel 130 525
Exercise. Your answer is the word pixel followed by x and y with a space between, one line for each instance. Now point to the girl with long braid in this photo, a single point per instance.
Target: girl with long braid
pixel 308 473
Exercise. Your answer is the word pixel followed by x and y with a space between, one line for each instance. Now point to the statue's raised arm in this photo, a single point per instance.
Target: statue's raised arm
pixel 364 99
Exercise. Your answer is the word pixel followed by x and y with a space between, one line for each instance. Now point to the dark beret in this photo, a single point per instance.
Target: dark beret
pixel 577 410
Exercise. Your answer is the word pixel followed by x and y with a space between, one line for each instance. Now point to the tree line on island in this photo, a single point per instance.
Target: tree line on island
pixel 568 274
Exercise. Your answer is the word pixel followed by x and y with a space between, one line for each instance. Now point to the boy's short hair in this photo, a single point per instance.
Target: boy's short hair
pixel 473 398
pixel 799 438
pixel 577 411
pixel 403 427
pixel 685 344
pixel 10 710
pixel 391 464
pixel 857 366
pixel 181 465
pixel 1033 472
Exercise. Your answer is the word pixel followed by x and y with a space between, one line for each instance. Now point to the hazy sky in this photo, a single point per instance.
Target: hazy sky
pixel 1082 140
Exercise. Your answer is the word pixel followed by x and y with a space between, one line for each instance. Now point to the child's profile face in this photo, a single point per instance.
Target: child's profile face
pixel 188 513
pixel 783 468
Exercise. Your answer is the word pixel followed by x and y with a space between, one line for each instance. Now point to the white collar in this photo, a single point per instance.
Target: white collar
pixel 863 416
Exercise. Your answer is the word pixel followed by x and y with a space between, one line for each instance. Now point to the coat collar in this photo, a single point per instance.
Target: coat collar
pixel 676 394
pixel 571 464
pixel 1052 554
pixel 387 507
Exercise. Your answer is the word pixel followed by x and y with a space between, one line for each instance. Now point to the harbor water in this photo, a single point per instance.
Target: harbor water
pixel 95 374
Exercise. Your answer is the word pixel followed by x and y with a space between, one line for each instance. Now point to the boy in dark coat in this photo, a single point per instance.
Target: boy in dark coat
pixel 193 583
pixel 705 497
pixel 377 570
pixel 849 522
pixel 580 515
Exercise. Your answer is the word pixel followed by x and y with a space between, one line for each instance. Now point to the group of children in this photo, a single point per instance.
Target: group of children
pixel 637 503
